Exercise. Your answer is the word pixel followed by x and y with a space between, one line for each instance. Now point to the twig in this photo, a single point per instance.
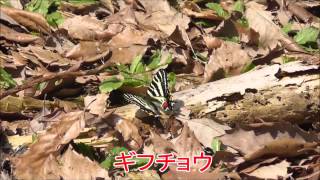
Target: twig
pixel 70 72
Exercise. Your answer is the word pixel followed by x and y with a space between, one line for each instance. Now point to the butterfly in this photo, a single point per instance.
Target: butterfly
pixel 158 100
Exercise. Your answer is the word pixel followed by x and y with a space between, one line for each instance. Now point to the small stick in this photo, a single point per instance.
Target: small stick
pixel 68 73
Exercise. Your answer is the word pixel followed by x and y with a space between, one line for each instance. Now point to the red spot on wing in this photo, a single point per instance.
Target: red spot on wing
pixel 165 105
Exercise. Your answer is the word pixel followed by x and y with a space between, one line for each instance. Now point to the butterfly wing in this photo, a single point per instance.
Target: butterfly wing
pixel 159 89
pixel 144 105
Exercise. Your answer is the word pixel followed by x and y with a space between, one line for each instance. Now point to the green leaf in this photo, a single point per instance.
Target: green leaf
pixel 307 35
pixel 39 6
pixel 108 162
pixel 5 3
pixel 169 59
pixel 243 22
pixel 134 82
pixel 234 39
pixel 6 80
pixel 248 67
pixel 172 80
pixel 86 150
pixel 137 65
pixel 218 9
pixel 34 138
pixel 287 59
pixel 110 84
pixel 123 68
pixel 83 1
pixel 55 18
pixel 42 85
pixel 205 23
pixel 239 6
pixel 287 28
pixel 155 60
pixel 216 145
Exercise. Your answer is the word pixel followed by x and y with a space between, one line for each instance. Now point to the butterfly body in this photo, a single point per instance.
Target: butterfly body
pixel 158 100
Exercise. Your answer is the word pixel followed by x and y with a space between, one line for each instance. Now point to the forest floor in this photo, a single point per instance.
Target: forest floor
pixel 159 89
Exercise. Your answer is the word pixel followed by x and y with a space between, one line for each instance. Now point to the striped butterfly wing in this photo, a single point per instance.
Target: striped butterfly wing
pixel 159 89
pixel 144 105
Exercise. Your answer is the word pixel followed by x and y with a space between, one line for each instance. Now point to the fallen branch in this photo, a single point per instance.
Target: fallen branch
pixel 288 92
pixel 72 72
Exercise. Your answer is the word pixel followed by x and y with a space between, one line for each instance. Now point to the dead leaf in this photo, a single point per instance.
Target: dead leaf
pixel 78 8
pixel 206 129
pixel 130 133
pixel 230 58
pixel 187 145
pixel 75 166
pixel 34 163
pixel 15 36
pixel 46 56
pixel 261 21
pixel 180 37
pixel 192 9
pixel 173 174
pixel 212 42
pixel 130 43
pixel 86 28
pixel 160 16
pixel 160 145
pixel 88 51
pixel 273 171
pixel 147 174
pixel 281 139
pixel 96 104
pixel 33 21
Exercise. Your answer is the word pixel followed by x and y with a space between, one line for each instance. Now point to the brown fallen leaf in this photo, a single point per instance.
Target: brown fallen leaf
pixel 72 165
pixel 35 162
pixel 15 36
pixel 216 174
pixel 180 37
pixel 230 59
pixel 160 145
pixel 88 51
pixel 30 20
pixel 273 171
pixel 130 133
pixel 260 21
pixel 192 9
pixel 212 42
pixel 130 43
pixel 86 28
pixel 187 145
pixel 160 16
pixel 206 129
pixel 148 174
pixel 280 139
pixel 302 13
pixel 96 104
pixel 78 8
pixel 46 56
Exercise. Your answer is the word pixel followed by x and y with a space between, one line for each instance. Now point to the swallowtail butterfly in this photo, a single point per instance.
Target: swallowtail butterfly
pixel 158 99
